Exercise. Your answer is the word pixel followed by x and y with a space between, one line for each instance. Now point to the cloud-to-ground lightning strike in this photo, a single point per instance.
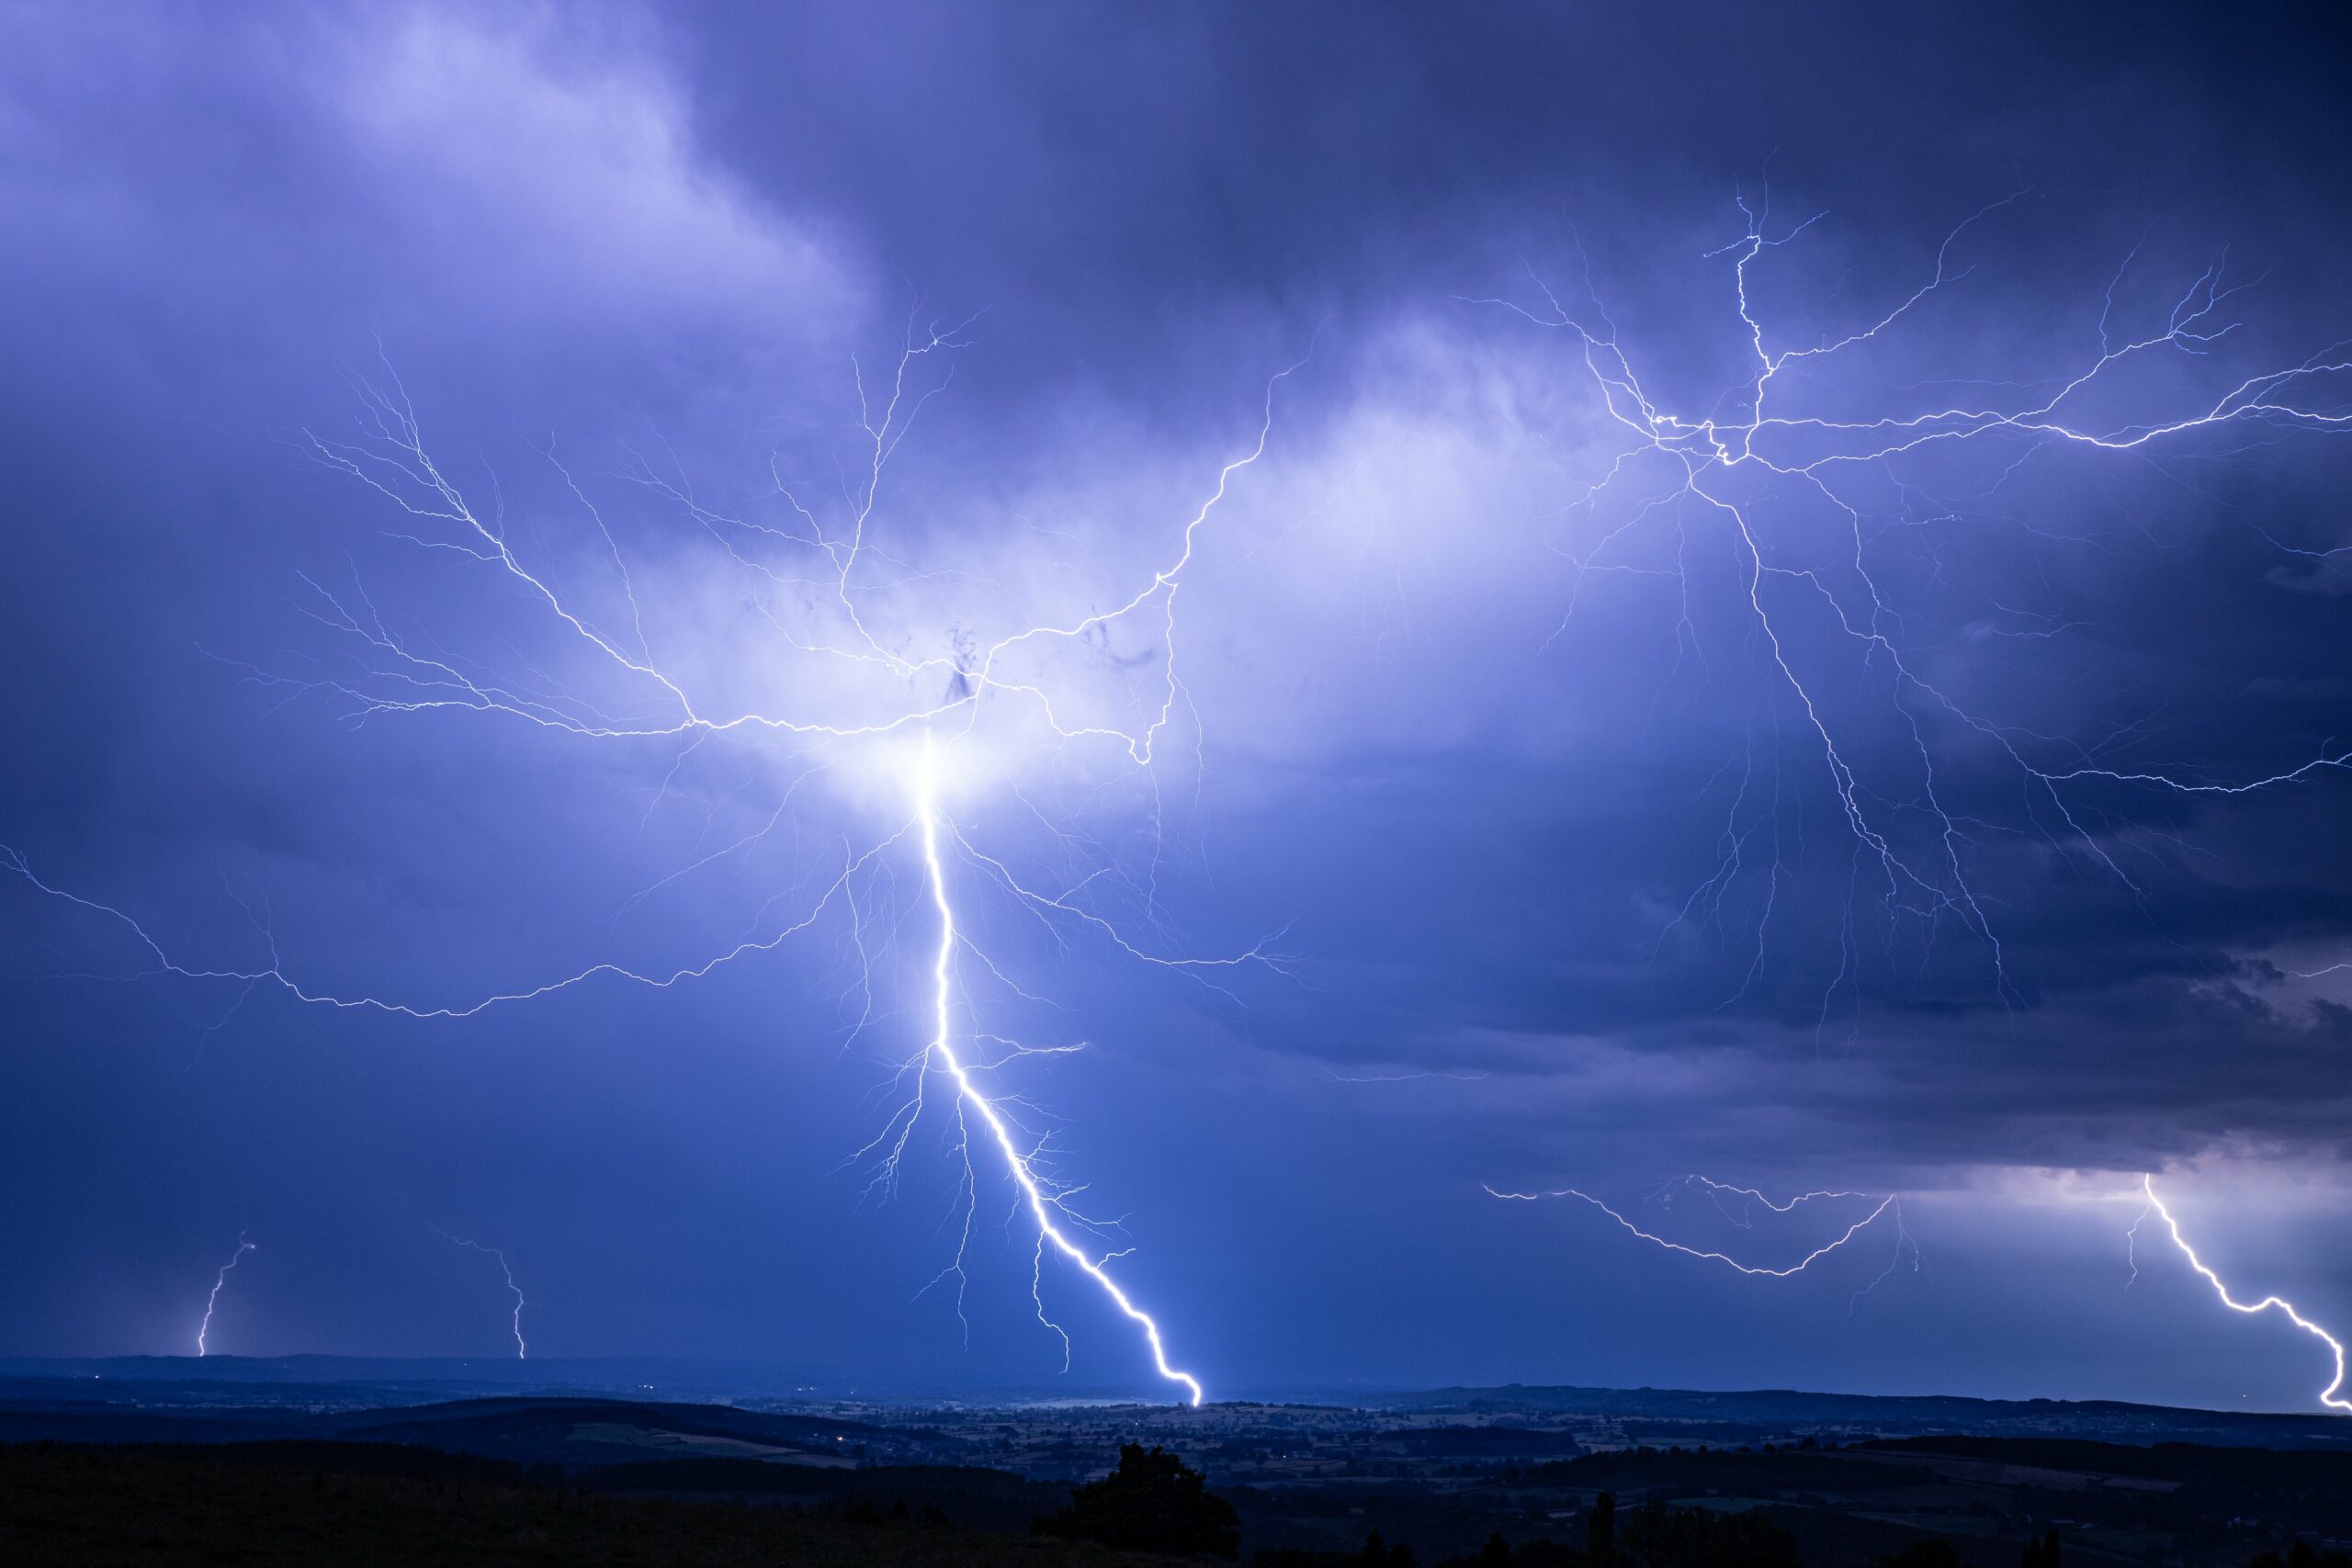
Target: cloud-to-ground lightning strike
pixel 1747 453
pixel 404 678
pixel 1892 1202
pixel 213 1300
pixel 522 1350
pixel 1911 843
pixel 1042 1204
pixel 2333 1395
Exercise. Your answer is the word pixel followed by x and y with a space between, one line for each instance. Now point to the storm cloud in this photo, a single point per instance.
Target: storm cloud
pixel 1483 733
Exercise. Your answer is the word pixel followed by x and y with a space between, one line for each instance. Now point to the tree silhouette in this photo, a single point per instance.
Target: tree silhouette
pixel 2302 1555
pixel 1153 1502
pixel 1600 1529
pixel 2041 1551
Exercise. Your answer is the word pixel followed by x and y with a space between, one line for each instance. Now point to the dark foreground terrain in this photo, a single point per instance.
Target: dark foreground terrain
pixel 1986 1503
pixel 170 1469
pixel 298 1502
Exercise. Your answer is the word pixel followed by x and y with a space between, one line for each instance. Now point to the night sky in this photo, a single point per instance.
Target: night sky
pixel 1844 818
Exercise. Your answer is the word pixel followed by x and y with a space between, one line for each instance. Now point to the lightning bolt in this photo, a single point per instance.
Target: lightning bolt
pixel 1742 1215
pixel 403 676
pixel 1747 461
pixel 220 1279
pixel 522 1352
pixel 1904 1246
pixel 1043 1205
pixel 1704 463
pixel 1751 461
pixel 2332 1396
pixel 1891 1202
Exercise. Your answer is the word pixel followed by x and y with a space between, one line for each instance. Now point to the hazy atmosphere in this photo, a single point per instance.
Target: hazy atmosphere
pixel 760 683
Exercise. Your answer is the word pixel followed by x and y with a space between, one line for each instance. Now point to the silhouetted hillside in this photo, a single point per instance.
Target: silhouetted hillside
pixel 372 1504
pixel 1665 1416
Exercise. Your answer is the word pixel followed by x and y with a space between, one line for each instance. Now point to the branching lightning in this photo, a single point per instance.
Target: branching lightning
pixel 213 1300
pixel 1913 844
pixel 1749 454
pixel 924 697
pixel 1746 453
pixel 1892 1203
pixel 1044 1203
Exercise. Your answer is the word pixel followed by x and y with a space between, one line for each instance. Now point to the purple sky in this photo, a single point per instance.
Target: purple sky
pixel 1626 788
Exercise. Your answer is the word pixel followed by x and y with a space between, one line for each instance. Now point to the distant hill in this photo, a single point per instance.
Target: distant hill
pixel 214 1384
pixel 362 1505
pixel 1686 1416
pixel 104 1470
pixel 571 1432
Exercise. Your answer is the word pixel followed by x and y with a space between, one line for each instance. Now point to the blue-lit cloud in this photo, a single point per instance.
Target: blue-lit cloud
pixel 1569 894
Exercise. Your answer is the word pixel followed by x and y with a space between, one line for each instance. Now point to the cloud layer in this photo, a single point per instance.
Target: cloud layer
pixel 1478 712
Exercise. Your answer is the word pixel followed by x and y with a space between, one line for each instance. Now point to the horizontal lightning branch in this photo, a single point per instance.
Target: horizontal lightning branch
pixel 927 695
pixel 1891 1202
pixel 1747 461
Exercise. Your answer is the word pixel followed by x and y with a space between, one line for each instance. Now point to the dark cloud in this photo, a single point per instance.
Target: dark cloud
pixel 1552 840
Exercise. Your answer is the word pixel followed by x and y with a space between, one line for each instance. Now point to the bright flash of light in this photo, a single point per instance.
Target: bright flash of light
pixel 1043 1205
pixel 220 1279
pixel 2332 1396
pixel 825 572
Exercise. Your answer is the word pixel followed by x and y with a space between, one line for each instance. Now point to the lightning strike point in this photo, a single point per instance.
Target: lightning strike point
pixel 2332 1396
pixel 522 1350
pixel 222 1278
pixel 941 1051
